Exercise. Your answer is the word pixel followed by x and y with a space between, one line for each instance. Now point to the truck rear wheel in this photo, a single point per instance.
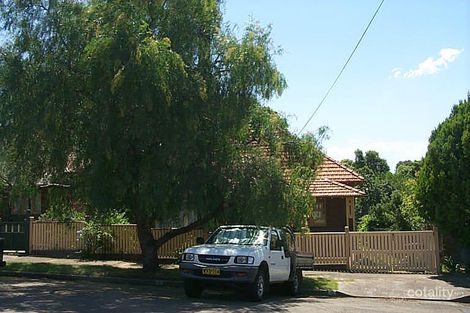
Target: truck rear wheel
pixel 193 288
pixel 294 284
pixel 258 289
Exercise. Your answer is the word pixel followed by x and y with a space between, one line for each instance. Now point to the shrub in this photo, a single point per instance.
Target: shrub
pixel 97 239
pixel 448 264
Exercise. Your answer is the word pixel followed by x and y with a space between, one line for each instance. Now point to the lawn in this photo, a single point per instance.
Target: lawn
pixel 319 283
pixel 309 283
pixel 91 270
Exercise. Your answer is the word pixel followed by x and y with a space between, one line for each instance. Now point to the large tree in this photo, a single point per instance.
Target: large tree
pixel 151 106
pixel 390 202
pixel 444 179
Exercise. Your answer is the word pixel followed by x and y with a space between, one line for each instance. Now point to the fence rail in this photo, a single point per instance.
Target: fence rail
pixel 56 237
pixel 410 251
pixel 327 248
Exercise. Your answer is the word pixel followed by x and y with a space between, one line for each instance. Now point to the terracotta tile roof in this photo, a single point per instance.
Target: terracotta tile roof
pixel 332 177
pixel 336 171
pixel 324 187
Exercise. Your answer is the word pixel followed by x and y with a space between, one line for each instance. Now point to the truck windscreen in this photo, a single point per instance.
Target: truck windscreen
pixel 239 236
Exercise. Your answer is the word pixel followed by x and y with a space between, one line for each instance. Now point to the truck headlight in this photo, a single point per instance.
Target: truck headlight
pixel 244 259
pixel 188 257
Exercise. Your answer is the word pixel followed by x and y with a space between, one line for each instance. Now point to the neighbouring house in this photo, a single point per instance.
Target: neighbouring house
pixel 15 208
pixel 335 192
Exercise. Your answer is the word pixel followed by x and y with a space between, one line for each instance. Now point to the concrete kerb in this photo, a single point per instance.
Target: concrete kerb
pixel 341 294
pixel 463 299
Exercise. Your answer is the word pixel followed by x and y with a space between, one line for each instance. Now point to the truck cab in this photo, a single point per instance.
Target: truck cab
pixel 252 257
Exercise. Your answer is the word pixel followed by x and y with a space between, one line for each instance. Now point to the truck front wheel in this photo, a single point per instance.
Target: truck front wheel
pixel 193 288
pixel 258 289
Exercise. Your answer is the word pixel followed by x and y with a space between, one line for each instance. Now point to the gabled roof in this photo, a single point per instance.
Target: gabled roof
pixel 336 171
pixel 324 187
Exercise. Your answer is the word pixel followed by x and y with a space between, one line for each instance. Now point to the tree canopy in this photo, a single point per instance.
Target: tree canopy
pixel 152 107
pixel 444 180
pixel 390 202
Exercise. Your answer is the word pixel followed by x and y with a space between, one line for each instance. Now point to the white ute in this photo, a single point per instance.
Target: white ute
pixel 251 257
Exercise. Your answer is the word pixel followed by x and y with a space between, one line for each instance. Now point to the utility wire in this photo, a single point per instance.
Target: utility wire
pixel 342 69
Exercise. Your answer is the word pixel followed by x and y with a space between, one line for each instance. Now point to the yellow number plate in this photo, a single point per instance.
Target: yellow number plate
pixel 211 271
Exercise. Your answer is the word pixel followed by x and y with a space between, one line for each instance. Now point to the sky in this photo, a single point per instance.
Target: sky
pixel 412 66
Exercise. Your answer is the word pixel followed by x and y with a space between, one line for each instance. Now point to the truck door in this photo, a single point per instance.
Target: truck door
pixel 277 260
pixel 286 258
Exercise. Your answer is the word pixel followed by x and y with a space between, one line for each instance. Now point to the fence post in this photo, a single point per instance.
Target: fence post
pixel 24 241
pixel 30 233
pixel 437 258
pixel 347 247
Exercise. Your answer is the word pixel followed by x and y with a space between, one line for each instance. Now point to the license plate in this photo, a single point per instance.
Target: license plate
pixel 211 271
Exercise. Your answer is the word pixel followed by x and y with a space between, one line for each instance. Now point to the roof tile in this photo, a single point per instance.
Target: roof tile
pixel 336 171
pixel 324 187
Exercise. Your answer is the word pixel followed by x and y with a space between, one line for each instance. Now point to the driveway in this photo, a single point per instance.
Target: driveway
pixel 31 295
pixel 405 286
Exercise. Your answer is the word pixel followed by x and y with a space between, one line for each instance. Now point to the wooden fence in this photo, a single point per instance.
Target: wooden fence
pixel 411 251
pixel 394 251
pixel 327 248
pixel 59 238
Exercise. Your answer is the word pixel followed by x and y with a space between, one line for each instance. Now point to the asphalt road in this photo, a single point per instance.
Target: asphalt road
pixel 32 295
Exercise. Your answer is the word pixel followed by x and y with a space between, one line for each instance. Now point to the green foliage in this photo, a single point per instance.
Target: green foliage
pixel 61 207
pixel 151 106
pixel 390 203
pixel 272 174
pixel 97 239
pixel 371 162
pixel 408 169
pixel 111 217
pixel 444 181
pixel 63 214
pixel 448 264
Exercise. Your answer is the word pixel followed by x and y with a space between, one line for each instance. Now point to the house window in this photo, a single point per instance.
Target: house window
pixel 319 213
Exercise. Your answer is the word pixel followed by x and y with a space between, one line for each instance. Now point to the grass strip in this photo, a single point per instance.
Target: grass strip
pixel 91 270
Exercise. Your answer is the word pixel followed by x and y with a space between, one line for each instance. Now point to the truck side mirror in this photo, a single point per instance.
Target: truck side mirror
pixel 199 240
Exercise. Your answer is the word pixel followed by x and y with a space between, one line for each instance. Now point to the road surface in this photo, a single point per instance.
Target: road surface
pixel 34 295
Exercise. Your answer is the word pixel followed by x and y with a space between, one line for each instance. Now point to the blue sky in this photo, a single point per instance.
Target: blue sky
pixel 411 68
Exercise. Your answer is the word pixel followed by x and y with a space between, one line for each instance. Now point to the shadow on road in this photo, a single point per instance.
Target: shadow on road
pixel 52 296
pixel 455 279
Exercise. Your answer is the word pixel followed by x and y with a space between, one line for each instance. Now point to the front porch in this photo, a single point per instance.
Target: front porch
pixel 335 192
pixel 332 214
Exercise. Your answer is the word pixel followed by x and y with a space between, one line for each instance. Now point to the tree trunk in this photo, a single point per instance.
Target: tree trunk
pixel 147 245
pixel 150 246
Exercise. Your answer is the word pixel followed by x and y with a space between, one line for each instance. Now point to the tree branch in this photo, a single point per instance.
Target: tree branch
pixel 178 231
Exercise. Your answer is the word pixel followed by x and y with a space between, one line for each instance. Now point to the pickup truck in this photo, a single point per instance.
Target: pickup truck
pixel 250 257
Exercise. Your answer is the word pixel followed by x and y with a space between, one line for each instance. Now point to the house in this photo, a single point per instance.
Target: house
pixel 335 193
pixel 17 208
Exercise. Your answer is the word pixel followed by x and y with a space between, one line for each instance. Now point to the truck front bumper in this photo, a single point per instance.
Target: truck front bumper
pixel 228 273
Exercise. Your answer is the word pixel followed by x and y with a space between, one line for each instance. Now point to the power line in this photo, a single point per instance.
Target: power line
pixel 342 69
